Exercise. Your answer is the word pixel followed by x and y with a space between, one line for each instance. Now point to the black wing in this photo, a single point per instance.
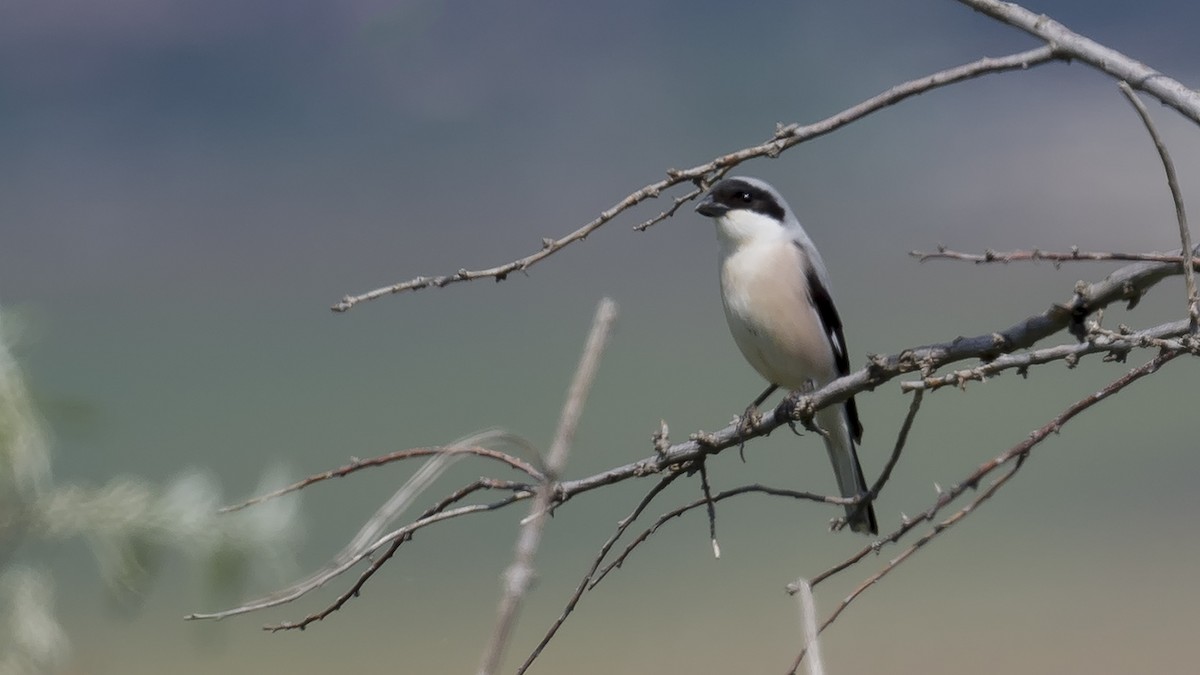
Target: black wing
pixel 823 301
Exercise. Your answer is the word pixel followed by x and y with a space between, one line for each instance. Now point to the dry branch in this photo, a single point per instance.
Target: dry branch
pixel 1011 348
pixel 1116 345
pixel 519 575
pixel 379 562
pixel 1185 236
pixel 400 455
pixel 1072 45
pixel 703 174
pixel 1127 283
pixel 1018 452
pixel 585 584
pixel 1062 43
pixel 1056 257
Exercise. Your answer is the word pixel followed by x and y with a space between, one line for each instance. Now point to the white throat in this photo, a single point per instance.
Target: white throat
pixel 740 228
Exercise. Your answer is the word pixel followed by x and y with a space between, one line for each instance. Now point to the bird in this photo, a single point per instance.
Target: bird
pixel 776 293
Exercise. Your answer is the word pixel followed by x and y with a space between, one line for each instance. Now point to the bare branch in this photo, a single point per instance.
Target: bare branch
pixel 701 175
pixel 891 564
pixel 1074 255
pixel 400 455
pixel 901 440
pixel 602 324
pixel 587 578
pixel 947 496
pixel 998 351
pixel 705 502
pixel 679 201
pixel 1072 45
pixel 1185 342
pixel 1018 452
pixel 341 564
pixel 368 539
pixel 1185 236
pixel 808 624
pixel 520 573
pixel 710 509
pixel 1127 283
pixel 1115 344
pixel 454 497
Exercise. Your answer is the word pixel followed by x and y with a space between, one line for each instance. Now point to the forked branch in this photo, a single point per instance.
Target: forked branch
pixel 1126 283
pixel 702 175
pixel 1015 455
pixel 992 353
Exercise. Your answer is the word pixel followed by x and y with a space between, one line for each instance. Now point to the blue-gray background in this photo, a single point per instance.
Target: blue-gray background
pixel 186 186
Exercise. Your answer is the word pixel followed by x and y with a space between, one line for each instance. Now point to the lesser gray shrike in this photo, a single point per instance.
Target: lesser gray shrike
pixel 778 303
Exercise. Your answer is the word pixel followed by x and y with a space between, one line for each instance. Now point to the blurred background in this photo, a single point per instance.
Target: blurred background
pixel 186 186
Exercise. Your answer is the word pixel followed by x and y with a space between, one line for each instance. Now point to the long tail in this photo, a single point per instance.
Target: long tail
pixel 844 456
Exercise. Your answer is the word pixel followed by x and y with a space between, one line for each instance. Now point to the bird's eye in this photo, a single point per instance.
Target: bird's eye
pixel 746 197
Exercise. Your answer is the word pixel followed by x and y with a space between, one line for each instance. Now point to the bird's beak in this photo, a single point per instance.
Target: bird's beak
pixel 710 208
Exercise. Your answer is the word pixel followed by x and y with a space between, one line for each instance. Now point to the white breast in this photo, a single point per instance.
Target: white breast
pixel 764 290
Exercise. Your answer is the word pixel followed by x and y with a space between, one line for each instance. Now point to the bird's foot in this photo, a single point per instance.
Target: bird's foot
pixel 787 410
pixel 747 423
pixel 796 407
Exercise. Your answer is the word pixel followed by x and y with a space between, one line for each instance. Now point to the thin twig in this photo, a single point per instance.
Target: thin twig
pixel 1056 257
pixel 808 625
pixel 1180 340
pixel 784 138
pixel 400 455
pixel 587 578
pixel 518 576
pixel 891 564
pixel 339 567
pixel 1076 47
pixel 706 501
pixel 378 562
pixel 368 539
pixel 901 440
pixel 711 509
pixel 971 481
pixel 897 448
pixel 1126 283
pixel 1114 344
pixel 1185 236
pixel 679 201
pixel 1018 452
pixel 867 497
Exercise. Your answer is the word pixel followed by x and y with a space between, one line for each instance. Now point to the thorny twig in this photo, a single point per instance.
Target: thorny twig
pixel 1056 257
pixel 702 175
pixel 1018 452
pixel 1114 345
pixel 1127 283
pixel 1061 43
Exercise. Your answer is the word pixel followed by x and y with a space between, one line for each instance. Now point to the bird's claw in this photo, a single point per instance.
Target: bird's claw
pixel 747 423
pixel 796 408
pixel 787 411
